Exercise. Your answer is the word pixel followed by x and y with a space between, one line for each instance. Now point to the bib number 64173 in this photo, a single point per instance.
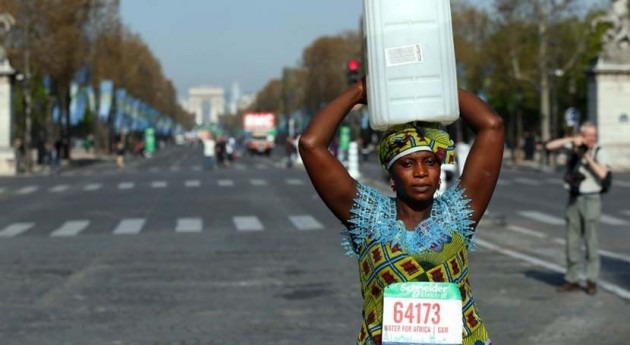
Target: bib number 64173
pixel 422 313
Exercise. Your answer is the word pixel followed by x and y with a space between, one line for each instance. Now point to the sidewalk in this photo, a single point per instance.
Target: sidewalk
pixel 80 159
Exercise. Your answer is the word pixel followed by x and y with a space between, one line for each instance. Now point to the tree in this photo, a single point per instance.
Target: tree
pixel 325 64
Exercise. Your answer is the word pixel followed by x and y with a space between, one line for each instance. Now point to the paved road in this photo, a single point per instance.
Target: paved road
pixel 165 253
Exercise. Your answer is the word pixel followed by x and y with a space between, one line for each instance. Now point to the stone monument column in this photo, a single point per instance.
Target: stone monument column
pixel 7 154
pixel 609 87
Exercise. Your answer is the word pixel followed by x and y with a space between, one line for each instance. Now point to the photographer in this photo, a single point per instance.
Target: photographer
pixel 587 166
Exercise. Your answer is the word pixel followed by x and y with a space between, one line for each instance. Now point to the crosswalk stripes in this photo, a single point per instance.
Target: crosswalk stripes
pixel 192 183
pixel 27 190
pixel 129 226
pixel 59 188
pixel 158 184
pixel 15 229
pixel 294 182
pixel 258 182
pixel 247 223
pixel 126 185
pixel 92 187
pixel 305 222
pixel 70 228
pixel 188 225
pixel 225 183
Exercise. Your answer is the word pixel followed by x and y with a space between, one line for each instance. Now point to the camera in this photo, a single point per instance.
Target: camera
pixel 582 149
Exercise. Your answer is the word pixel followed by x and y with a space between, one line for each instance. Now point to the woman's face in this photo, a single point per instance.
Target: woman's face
pixel 416 176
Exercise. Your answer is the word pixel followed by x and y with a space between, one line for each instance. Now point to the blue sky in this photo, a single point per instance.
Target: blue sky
pixel 218 42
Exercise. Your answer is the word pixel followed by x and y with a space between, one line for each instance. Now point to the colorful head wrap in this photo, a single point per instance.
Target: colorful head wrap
pixel 401 140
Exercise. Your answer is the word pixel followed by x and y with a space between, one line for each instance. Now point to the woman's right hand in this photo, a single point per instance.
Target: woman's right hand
pixel 363 87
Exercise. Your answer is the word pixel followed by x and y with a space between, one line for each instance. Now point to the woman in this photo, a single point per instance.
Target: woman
pixel 431 233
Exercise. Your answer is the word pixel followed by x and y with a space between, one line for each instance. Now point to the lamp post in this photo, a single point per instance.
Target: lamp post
pixel 8 161
pixel 24 79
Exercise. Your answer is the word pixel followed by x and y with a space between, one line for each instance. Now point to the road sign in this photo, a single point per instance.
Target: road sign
pixel 572 116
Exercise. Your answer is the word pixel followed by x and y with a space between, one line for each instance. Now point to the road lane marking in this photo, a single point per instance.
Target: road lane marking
pixel 60 188
pixel 71 228
pixel 610 220
pixel 247 223
pixel 158 184
pixel 196 168
pixel 614 255
pixel 2 190
pixel 563 242
pixel 225 183
pixel 305 223
pixel 15 229
pixel 27 190
pixel 554 180
pixel 176 168
pixel 625 294
pixel 526 231
pixel 527 181
pixel 154 169
pixel 93 187
pixel 542 217
pixel 294 182
pixel 626 212
pixel 502 182
pixel 189 225
pixel 258 182
pixel 129 226
pixel 126 185
pixel 261 166
pixel 621 183
pixel 192 183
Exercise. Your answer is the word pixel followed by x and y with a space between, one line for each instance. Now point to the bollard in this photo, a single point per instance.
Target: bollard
pixel 353 160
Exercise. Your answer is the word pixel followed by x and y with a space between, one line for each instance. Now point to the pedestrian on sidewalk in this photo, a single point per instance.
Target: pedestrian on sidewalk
pixel 587 167
pixel 414 236
pixel 51 158
pixel 120 154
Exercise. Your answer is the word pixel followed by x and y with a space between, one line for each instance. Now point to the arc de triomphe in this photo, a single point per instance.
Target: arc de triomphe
pixel 207 103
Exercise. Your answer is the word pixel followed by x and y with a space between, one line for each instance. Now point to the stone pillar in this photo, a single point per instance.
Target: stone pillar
pixel 7 154
pixel 609 86
pixel 609 108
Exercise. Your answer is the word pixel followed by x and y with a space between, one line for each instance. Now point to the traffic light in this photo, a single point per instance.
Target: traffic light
pixel 353 71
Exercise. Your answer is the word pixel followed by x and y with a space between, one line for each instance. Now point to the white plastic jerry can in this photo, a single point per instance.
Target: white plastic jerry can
pixel 411 70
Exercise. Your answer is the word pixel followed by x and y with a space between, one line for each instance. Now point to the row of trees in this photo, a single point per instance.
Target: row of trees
pixel 528 58
pixel 55 41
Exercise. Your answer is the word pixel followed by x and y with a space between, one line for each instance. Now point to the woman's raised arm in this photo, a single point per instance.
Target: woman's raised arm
pixel 483 163
pixel 330 178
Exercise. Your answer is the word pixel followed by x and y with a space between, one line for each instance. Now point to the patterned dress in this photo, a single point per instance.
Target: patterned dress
pixel 435 251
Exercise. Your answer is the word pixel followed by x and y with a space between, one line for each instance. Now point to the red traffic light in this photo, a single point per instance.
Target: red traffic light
pixel 353 65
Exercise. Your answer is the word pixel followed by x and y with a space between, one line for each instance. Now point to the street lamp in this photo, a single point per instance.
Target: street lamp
pixel 24 80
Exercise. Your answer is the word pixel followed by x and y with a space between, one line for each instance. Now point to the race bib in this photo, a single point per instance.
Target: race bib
pixel 419 313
